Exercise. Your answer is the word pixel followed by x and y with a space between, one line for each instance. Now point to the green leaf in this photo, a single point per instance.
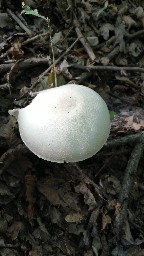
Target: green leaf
pixel 112 114
pixel 101 10
pixel 29 11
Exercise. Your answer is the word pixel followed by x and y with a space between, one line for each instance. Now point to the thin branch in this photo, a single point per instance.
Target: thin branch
pixel 83 40
pixel 28 63
pixel 34 38
pixel 128 181
pixel 112 68
pixel 113 53
pixel 136 34
pixel 56 62
pixel 134 138
pixel 14 17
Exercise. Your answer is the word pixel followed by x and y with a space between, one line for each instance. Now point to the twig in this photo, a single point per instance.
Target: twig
pixel 116 50
pixel 5 44
pixel 21 18
pixel 28 63
pixel 34 38
pixel 83 40
pixel 84 76
pixel 136 34
pixel 14 17
pixel 29 40
pixel 66 35
pixel 113 53
pixel 128 181
pixel 86 179
pixel 134 138
pixel 56 62
pixel 52 50
pixel 114 38
pixel 112 68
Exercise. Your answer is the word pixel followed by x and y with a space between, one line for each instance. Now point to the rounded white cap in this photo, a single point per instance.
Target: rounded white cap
pixel 68 123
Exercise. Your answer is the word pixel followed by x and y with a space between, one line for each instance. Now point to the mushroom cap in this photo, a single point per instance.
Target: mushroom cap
pixel 68 123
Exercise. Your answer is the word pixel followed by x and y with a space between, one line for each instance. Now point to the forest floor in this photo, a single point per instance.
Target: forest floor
pixel 93 207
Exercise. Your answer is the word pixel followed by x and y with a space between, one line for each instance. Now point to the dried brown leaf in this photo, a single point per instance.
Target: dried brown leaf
pixel 63 68
pixel 105 30
pixel 7 131
pixel 4 190
pixel 15 51
pixel 55 216
pixel 105 220
pixel 134 251
pixel 139 12
pixel 129 22
pixel 50 191
pixel 105 61
pixel 129 120
pixel 123 10
pixel 74 217
pixel 115 183
pixel 87 6
pixel 130 124
pixel 142 21
pixel 37 251
pixel 14 230
pixel 89 253
pixel 16 164
pixel 51 194
pixel 88 196
pixel 128 234
pixel 51 77
pixel 71 200
pixel 117 208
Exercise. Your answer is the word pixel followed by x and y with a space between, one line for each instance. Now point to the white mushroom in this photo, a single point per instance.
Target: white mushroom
pixel 68 123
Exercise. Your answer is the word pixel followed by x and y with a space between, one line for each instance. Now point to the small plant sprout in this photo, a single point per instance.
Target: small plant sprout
pixel 69 123
pixel 27 10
